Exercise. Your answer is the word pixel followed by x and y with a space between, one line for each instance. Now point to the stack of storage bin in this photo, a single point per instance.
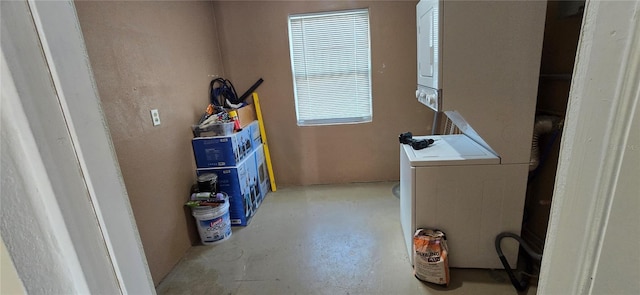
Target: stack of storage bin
pixel 238 160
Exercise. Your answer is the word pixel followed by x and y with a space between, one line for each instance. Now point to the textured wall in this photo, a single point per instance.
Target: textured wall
pixel 254 43
pixel 11 283
pixel 154 55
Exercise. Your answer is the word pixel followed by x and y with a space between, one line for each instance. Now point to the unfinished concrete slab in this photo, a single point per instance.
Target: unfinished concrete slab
pixel 325 239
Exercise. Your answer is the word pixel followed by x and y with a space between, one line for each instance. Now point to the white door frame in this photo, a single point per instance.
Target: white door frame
pixel 602 103
pixel 62 172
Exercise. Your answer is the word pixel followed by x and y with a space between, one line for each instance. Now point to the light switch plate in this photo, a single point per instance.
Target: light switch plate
pixel 155 117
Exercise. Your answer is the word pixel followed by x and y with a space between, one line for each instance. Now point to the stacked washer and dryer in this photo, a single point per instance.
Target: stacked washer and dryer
pixel 478 68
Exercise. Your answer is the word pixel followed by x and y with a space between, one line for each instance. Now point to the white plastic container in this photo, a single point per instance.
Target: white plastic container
pixel 214 224
pixel 215 129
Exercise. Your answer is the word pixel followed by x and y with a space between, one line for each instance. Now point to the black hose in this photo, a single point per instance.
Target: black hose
pixel 523 283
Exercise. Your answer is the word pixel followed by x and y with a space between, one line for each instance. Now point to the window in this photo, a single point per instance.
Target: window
pixel 331 65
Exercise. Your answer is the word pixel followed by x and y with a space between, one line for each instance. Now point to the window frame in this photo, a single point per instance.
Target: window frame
pixel 342 118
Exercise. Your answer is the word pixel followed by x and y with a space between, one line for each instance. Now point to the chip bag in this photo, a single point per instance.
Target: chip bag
pixel 430 256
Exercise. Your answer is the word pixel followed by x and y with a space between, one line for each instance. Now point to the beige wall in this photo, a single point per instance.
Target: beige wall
pixel 254 43
pixel 162 55
pixel 148 55
pixel 10 283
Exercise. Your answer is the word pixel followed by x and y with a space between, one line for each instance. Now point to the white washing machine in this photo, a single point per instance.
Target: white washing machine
pixel 459 186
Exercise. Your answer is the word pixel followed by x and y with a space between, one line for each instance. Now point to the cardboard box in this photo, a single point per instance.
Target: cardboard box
pixel 254 130
pixel 246 115
pixel 221 151
pixel 263 173
pixel 241 184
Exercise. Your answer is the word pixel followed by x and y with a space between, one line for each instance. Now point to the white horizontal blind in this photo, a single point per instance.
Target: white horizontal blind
pixel 331 64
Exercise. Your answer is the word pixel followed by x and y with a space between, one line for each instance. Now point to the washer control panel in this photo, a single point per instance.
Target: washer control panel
pixel 429 97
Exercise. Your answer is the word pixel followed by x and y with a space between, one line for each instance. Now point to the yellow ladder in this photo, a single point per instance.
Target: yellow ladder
pixel 263 134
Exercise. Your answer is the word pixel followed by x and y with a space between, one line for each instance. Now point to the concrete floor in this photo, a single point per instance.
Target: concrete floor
pixel 328 239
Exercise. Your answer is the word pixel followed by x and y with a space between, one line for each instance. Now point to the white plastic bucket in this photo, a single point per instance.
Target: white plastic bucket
pixel 214 224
